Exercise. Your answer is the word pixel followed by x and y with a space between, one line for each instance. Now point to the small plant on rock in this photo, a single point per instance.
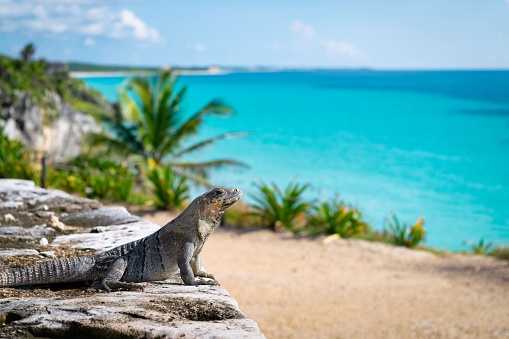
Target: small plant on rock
pixel 404 235
pixel 280 208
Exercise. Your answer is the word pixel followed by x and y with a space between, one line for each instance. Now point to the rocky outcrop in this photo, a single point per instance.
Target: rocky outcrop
pixel 62 137
pixel 166 309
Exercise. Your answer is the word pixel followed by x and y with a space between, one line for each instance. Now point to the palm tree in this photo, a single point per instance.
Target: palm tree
pixel 27 53
pixel 149 123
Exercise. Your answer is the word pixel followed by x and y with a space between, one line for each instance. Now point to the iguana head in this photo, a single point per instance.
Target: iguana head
pixel 211 207
pixel 206 210
pixel 219 199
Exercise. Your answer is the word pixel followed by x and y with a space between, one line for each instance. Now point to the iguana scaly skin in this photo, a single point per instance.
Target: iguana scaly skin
pixel 159 256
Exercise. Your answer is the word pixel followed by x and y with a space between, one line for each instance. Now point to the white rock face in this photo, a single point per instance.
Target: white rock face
pixel 165 309
pixel 62 137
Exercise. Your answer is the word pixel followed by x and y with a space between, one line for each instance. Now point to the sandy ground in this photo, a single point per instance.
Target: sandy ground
pixel 300 287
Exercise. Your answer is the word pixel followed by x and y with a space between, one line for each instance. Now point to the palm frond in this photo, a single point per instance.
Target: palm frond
pixel 191 125
pixel 207 142
pixel 143 89
pixel 113 145
pixel 96 111
pixel 213 164
pixel 217 108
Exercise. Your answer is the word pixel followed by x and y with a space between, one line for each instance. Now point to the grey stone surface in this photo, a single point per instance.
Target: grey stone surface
pixel 35 212
pixel 39 230
pixel 100 217
pixel 16 253
pixel 48 254
pixel 161 311
pixel 27 196
pixel 7 205
pixel 165 309
pixel 104 238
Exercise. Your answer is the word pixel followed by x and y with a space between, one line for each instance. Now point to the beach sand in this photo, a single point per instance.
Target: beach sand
pixel 300 287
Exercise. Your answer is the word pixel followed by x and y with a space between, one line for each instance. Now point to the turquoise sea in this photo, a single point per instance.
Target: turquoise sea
pixel 418 143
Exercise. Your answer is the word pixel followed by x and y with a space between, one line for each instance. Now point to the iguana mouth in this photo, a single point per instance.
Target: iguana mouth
pixel 228 198
pixel 237 195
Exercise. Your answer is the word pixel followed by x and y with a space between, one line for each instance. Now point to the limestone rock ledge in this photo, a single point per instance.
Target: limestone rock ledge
pixel 163 310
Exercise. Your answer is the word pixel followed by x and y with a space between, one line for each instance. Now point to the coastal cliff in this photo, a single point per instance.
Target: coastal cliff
pixel 62 138
pixel 37 100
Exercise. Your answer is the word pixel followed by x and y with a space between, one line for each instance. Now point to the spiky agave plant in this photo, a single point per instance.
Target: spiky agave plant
pixel 482 247
pixel 280 208
pixel 170 190
pixel 335 217
pixel 404 235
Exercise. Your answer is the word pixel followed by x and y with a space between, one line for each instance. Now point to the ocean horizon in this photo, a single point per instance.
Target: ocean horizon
pixel 416 143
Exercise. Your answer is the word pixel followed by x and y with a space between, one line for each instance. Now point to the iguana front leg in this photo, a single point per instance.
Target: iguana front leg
pixel 198 268
pixel 190 268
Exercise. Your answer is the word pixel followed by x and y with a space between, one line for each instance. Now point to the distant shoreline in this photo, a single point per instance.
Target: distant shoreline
pixel 107 74
pixel 143 73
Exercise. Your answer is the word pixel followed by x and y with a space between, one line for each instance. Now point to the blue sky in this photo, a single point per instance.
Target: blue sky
pixel 390 34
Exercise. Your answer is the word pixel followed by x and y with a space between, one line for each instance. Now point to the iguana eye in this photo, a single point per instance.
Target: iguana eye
pixel 219 193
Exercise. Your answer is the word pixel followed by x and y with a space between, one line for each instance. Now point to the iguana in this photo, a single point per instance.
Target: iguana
pixel 159 256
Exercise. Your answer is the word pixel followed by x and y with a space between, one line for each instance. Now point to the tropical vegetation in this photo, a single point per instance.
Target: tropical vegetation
pixel 150 124
pixel 16 161
pixel 482 247
pixel 38 78
pixel 335 217
pixel 402 234
pixel 170 191
pixel 97 178
pixel 280 208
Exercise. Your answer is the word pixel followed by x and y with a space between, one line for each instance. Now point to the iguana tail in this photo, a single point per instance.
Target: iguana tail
pixel 78 269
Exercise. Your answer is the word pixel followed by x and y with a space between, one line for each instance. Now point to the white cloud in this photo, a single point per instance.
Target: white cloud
pixel 140 29
pixel 301 28
pixel 310 39
pixel 89 42
pixel 340 48
pixel 83 17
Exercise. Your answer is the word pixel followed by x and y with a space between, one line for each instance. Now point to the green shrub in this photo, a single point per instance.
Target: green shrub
pixel 123 187
pixel 66 181
pixel 501 253
pixel 481 247
pixel 93 177
pixel 16 160
pixel 170 191
pixel 404 235
pixel 36 78
pixel 98 184
pixel 334 217
pixel 278 208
